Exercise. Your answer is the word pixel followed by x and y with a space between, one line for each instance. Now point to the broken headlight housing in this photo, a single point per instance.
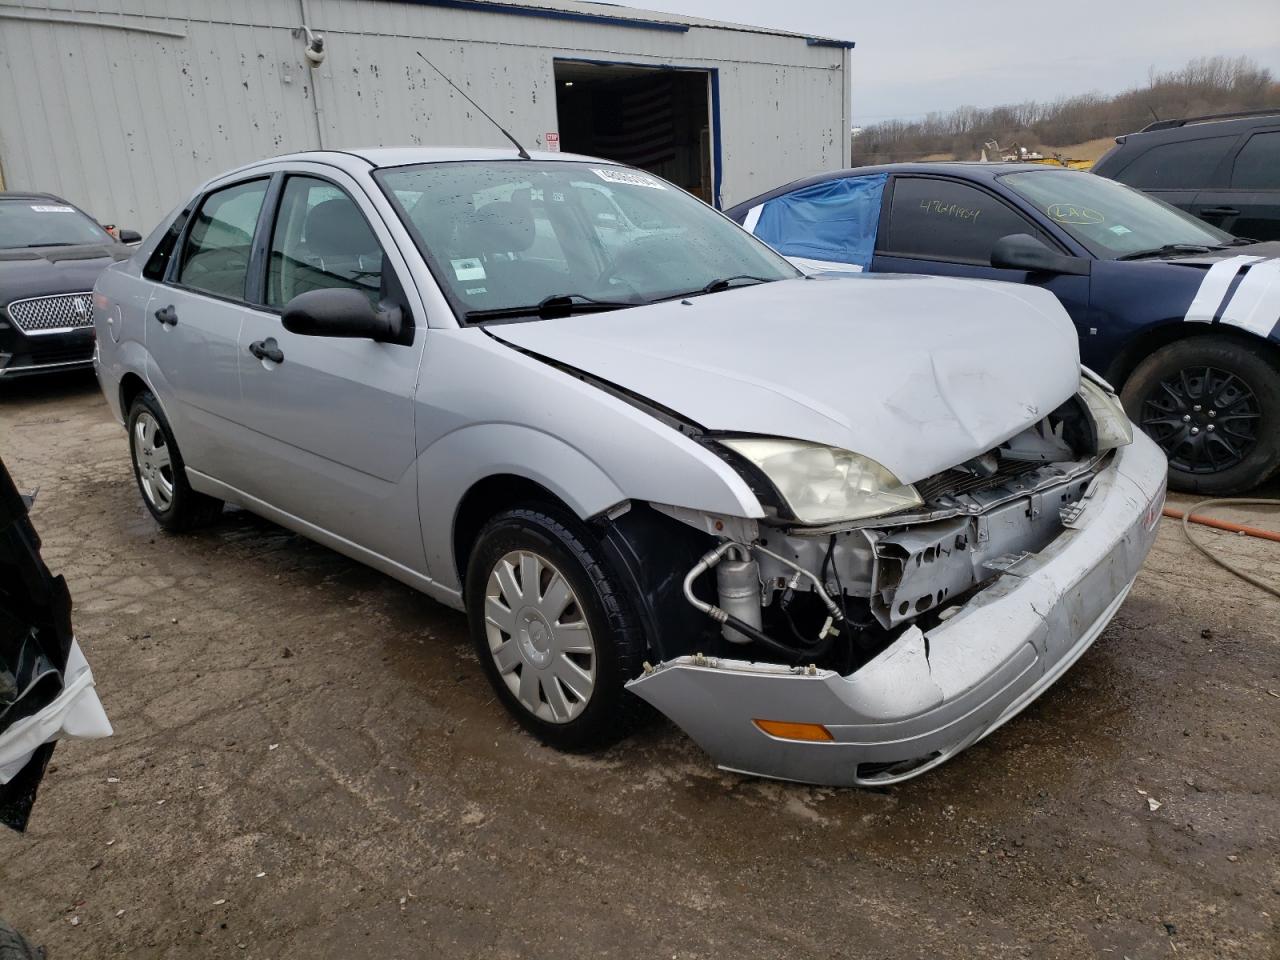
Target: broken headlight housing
pixel 822 484
pixel 1111 423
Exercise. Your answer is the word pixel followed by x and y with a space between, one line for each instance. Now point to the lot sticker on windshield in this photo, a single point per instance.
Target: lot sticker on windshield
pixel 1070 213
pixel 1120 230
pixel 629 177
pixel 469 269
pixel 45 208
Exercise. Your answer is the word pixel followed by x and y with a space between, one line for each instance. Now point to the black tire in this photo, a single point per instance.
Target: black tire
pixel 14 946
pixel 186 509
pixel 610 712
pixel 1232 450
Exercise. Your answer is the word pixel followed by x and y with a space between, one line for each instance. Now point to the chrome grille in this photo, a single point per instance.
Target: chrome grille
pixel 56 314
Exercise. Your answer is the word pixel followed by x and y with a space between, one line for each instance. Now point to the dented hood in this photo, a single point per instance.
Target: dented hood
pixel 918 373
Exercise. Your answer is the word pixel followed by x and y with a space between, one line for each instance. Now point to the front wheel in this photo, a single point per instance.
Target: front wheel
pixel 1213 405
pixel 554 633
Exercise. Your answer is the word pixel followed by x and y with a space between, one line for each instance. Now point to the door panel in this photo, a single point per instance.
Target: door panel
pixel 947 228
pixel 193 325
pixel 331 425
pixel 1250 207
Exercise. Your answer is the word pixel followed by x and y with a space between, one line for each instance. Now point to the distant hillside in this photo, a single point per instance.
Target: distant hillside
pixel 1086 123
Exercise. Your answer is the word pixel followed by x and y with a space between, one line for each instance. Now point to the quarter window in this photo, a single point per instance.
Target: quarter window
pixel 1258 164
pixel 945 220
pixel 1187 165
pixel 321 241
pixel 215 257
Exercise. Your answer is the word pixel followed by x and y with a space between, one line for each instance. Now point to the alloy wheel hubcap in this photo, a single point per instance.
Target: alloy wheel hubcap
pixel 1205 419
pixel 538 637
pixel 154 465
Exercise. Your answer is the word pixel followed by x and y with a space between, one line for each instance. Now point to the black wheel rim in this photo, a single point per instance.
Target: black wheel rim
pixel 1204 418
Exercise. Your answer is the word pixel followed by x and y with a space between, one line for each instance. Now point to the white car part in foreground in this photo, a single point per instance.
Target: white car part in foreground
pixel 76 713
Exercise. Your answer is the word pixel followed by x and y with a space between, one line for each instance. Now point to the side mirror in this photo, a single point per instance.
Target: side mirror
pixel 1021 251
pixel 340 312
pixel 130 236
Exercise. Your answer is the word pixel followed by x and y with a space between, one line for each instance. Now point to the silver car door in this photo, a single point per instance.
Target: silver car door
pixel 329 422
pixel 193 319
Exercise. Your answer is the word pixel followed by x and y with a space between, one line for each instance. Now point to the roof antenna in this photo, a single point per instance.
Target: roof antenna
pixel 524 154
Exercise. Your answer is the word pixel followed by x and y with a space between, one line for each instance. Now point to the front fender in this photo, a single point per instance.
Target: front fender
pixel 455 463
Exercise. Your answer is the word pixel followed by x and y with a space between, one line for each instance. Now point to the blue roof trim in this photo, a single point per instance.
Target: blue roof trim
pixel 487 6
pixel 824 42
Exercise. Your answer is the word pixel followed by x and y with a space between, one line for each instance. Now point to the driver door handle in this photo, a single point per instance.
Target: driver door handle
pixel 167 316
pixel 1220 212
pixel 267 349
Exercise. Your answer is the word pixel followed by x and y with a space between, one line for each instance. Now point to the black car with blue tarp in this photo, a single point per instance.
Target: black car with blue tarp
pixel 1182 316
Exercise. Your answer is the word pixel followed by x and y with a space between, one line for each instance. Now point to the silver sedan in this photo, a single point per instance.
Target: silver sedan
pixel 835 530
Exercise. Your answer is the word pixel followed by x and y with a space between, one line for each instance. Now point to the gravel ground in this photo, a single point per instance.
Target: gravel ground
pixel 308 763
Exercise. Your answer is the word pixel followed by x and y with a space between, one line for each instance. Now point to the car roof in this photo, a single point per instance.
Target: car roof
pixel 365 158
pixel 28 195
pixel 969 169
pixel 1193 128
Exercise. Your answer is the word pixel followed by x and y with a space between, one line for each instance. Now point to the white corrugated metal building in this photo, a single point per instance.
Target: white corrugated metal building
pixel 123 106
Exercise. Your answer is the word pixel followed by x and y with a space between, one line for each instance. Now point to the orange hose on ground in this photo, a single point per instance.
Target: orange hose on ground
pixel 1224 525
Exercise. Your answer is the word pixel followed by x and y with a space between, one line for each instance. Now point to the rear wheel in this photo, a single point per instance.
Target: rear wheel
pixel 553 632
pixel 1213 405
pixel 160 471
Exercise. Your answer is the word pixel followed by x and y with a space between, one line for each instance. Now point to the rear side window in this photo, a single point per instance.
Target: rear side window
pixel 945 220
pixel 321 240
pixel 158 263
pixel 215 258
pixel 1258 164
pixel 1177 166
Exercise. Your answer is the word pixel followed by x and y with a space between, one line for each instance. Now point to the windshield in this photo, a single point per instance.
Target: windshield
pixel 507 235
pixel 40 222
pixel 1108 218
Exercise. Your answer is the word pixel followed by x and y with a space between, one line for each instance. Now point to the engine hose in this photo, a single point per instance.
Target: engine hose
pixel 709 560
pixel 760 637
pixel 1188 518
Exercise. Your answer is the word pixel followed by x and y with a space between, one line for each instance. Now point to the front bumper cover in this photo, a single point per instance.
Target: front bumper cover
pixel 924 699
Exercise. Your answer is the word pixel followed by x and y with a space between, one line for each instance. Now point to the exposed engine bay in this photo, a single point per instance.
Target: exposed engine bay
pixel 835 596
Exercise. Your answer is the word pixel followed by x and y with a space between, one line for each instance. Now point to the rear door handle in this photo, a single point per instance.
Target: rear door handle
pixel 168 316
pixel 1220 212
pixel 267 349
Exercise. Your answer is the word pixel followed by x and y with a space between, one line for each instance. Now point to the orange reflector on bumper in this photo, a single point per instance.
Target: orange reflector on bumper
pixel 794 731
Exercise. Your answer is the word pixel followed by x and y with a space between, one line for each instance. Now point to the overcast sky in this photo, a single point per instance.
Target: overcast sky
pixel 917 56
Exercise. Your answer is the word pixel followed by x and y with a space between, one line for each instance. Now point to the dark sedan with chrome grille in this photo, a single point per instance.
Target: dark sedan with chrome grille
pixel 51 252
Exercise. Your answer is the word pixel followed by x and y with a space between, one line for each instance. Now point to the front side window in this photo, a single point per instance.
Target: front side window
pixel 1258 163
pixel 215 257
pixel 1187 165
pixel 321 240
pixel 46 223
pixel 1110 220
pixel 945 220
pixel 506 236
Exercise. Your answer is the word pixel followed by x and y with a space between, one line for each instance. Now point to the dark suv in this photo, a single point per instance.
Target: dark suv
pixel 1224 169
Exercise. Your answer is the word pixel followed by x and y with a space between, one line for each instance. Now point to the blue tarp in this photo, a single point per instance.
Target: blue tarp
pixel 834 221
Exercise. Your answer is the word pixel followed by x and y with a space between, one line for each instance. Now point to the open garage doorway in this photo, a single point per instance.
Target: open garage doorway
pixel 660 119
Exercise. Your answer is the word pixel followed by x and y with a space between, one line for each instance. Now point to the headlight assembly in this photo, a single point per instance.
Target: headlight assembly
pixel 1112 424
pixel 825 484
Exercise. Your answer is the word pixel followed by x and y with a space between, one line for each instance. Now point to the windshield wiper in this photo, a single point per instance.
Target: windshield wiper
pixel 724 283
pixel 557 305
pixel 28 246
pixel 1166 249
pixel 719 284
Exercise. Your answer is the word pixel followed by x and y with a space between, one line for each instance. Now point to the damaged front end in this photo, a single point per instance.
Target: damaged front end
pixel 866 651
